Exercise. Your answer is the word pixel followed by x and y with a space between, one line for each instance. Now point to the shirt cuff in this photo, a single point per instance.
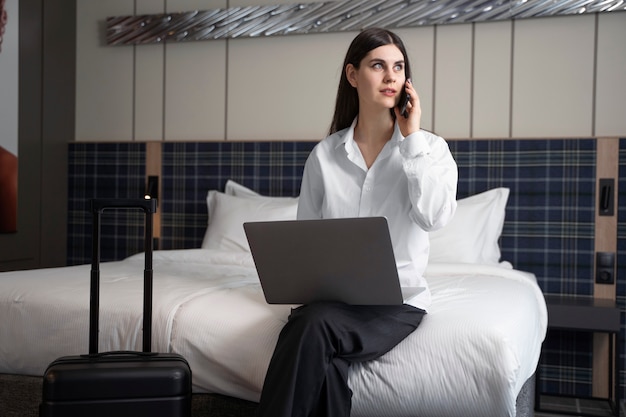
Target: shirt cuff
pixel 414 145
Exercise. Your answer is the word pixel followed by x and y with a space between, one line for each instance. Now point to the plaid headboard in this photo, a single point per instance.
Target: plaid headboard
pixel 190 170
pixel 549 226
pixel 104 170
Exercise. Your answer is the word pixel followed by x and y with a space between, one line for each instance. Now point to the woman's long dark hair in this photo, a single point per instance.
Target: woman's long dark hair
pixel 347 102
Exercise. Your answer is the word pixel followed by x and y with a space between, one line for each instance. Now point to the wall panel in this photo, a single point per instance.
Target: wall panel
pixel 491 89
pixel 149 82
pixel 611 68
pixel 284 88
pixel 195 90
pixel 148 92
pixel 453 75
pixel 553 76
pixel 104 75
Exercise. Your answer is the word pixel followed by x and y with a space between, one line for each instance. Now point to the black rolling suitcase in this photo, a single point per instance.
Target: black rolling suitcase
pixel 120 384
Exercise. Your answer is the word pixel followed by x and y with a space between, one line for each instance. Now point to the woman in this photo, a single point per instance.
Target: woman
pixel 375 162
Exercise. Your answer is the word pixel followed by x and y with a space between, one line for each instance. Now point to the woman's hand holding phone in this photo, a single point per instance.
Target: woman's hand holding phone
pixel 404 101
pixel 408 112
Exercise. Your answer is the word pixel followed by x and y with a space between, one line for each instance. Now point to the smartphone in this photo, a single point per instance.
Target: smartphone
pixel 404 100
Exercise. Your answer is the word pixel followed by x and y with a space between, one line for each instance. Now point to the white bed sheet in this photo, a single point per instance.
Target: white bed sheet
pixel 470 356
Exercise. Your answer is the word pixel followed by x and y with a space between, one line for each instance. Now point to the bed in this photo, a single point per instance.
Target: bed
pixel 474 354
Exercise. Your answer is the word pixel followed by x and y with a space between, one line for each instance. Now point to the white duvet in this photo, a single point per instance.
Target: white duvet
pixel 470 356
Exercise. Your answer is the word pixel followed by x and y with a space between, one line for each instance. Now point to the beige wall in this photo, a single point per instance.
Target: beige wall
pixel 542 77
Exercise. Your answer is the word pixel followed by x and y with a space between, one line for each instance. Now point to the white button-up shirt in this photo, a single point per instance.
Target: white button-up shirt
pixel 412 183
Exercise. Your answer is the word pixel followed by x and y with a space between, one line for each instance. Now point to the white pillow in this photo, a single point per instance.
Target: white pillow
pixel 473 233
pixel 227 214
pixel 234 188
pixel 472 236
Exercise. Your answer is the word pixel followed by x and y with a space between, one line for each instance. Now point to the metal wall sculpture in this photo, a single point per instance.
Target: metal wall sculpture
pixel 333 16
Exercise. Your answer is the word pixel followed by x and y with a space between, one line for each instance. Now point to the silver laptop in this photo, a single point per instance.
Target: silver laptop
pixel 349 260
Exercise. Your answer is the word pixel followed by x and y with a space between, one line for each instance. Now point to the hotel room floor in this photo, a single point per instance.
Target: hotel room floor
pixel 564 406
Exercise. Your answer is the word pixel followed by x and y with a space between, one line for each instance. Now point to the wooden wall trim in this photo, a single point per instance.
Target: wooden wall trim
pixel 153 167
pixel 607 166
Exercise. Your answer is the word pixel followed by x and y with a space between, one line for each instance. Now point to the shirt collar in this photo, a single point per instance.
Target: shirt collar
pixel 352 149
pixel 348 137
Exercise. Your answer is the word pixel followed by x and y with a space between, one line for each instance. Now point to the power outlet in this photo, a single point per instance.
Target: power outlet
pixel 605 267
pixel 606 198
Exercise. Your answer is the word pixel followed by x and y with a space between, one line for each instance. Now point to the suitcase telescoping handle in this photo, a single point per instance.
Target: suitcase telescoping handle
pixel 97 207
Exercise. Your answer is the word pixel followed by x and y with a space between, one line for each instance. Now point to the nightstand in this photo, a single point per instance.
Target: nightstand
pixel 585 314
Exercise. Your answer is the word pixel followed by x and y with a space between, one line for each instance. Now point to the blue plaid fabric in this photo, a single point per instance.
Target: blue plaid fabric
pixel 190 170
pixel 549 226
pixel 104 170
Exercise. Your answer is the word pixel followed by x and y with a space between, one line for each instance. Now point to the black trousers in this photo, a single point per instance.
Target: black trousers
pixel 308 372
